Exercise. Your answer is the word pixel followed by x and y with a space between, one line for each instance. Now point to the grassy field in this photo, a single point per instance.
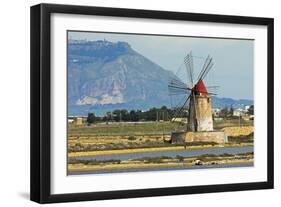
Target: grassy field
pixel 142 128
pixel 137 128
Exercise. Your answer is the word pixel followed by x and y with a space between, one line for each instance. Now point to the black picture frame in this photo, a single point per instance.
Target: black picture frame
pixel 40 184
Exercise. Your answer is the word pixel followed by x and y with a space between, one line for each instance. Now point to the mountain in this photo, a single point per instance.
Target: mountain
pixel 229 102
pixel 103 76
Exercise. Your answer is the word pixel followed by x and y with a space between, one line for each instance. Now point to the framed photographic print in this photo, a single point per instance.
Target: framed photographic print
pixel 132 103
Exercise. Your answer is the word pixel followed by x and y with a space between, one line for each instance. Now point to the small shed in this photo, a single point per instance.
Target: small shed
pixel 78 121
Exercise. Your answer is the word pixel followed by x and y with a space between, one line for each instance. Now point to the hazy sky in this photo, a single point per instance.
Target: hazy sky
pixel 232 71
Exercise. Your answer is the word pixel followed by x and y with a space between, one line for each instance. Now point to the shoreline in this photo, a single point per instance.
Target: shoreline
pixel 83 168
pixel 153 149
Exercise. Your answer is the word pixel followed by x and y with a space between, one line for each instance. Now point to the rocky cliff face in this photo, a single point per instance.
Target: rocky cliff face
pixel 103 74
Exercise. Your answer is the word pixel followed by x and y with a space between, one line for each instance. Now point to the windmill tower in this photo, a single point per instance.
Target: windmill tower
pixel 196 100
pixel 200 109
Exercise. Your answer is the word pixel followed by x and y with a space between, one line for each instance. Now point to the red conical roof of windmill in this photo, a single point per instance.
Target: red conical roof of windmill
pixel 200 88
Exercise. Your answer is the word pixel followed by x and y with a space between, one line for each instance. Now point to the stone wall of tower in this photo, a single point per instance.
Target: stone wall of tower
pixel 200 115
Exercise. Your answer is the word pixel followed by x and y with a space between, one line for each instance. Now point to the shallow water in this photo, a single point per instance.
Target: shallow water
pixel 172 153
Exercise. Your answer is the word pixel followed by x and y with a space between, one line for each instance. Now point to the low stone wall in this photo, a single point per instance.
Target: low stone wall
pixel 214 136
pixel 238 131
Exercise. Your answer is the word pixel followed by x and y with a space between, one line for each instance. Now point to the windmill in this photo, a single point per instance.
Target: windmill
pixel 196 98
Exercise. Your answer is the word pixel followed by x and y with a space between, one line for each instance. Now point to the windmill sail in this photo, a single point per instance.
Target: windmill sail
pixel 194 96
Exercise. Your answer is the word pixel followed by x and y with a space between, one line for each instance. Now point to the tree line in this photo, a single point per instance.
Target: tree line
pixel 121 115
pixel 153 114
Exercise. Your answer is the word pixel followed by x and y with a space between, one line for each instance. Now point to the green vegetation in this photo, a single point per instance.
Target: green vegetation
pixel 131 138
pixel 123 115
pixel 154 114
pixel 91 118
pixel 93 162
pixel 117 146
pixel 143 128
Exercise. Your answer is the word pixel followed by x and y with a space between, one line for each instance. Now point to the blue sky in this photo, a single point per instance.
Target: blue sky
pixel 232 71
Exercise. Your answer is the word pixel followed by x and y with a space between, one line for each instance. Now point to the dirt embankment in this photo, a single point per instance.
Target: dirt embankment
pixel 238 131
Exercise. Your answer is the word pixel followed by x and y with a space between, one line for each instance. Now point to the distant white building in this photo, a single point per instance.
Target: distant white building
pixel 247 107
pixel 70 121
pixel 76 120
pixel 182 120
pixel 216 111
pixel 238 112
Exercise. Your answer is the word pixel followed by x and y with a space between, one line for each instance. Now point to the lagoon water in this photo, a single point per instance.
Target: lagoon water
pixel 173 153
